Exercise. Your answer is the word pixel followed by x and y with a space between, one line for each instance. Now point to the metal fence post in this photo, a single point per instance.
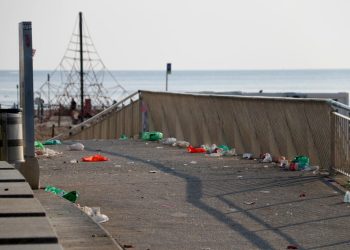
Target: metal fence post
pixel 333 144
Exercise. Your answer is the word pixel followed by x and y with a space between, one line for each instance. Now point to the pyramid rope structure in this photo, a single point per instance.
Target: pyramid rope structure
pixel 67 75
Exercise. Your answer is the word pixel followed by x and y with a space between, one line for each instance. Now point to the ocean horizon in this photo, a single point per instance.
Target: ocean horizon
pixel 286 80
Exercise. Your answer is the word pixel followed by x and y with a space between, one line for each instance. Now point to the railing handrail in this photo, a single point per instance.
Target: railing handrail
pixel 97 116
pixel 340 115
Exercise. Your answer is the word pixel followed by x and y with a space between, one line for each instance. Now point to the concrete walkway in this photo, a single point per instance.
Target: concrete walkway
pixel 161 197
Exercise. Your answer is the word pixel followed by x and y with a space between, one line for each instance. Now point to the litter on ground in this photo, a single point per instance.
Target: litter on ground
pixel 94 158
pixel 76 147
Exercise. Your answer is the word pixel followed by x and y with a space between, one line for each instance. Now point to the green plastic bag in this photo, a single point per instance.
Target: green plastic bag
pixel 225 148
pixel 152 136
pixel 302 160
pixel 71 196
pixel 52 142
pixel 123 137
pixel 39 145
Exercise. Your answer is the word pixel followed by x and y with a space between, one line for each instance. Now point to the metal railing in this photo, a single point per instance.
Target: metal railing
pixel 340 143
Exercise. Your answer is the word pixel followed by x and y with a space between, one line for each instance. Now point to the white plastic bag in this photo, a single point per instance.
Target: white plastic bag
pixel 76 147
pixel 169 141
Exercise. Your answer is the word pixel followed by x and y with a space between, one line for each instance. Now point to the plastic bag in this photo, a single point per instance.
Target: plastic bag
pixel 152 136
pixel 267 158
pixel 191 149
pixel 76 147
pixel 94 158
pixel 181 144
pixel 52 142
pixel 123 137
pixel 300 162
pixel 71 196
pixel 38 145
pixel 169 141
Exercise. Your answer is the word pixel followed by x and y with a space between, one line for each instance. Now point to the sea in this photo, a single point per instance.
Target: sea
pixel 299 81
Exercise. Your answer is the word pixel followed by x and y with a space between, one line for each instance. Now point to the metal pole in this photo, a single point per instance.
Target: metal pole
pixel 166 81
pixel 81 67
pixel 168 71
pixel 30 169
pixel 17 96
pixel 26 85
pixel 48 88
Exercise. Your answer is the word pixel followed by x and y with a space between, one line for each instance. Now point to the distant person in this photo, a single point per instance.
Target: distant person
pixel 73 104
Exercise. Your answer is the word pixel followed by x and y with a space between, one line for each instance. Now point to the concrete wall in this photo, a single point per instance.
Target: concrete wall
pixel 280 126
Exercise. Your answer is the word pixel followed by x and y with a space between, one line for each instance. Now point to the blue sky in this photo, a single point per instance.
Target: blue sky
pixel 192 34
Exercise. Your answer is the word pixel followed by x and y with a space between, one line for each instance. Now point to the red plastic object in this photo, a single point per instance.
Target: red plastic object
pixel 191 149
pixel 94 158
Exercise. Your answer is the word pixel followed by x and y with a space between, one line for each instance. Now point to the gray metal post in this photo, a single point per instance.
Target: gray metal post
pixel 30 169
pixel 81 66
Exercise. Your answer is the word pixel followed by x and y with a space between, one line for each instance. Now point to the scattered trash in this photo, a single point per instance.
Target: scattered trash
pixel 118 166
pixel 267 157
pixel 210 149
pixel 247 156
pixel 185 164
pixel 249 202
pixel 215 154
pixel 74 161
pixel 193 162
pixel 94 158
pixel 128 246
pixel 265 191
pixel 46 152
pixel 159 147
pixel 191 149
pixel 131 162
pixel 152 136
pixel 38 144
pixel 76 147
pixel 347 197
pixel 95 214
pixel 299 163
pixel 266 166
pixel 181 144
pixel 123 137
pixel 169 141
pixel 71 196
pixel 282 162
pixel 52 142
pixel 239 176
pixel 217 151
pixel 153 171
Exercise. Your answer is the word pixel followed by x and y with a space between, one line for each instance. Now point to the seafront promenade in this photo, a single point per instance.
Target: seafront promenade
pixel 162 197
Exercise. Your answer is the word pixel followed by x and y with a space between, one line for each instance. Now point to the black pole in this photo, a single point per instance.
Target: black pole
pixel 81 67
